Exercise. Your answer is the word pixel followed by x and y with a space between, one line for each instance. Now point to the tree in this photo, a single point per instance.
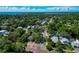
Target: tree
pixel 68 48
pixel 59 47
pixel 5 44
pixel 50 44
pixel 19 47
pixel 14 36
pixel 35 36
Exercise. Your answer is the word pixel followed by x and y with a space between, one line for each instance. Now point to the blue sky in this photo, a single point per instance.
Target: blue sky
pixel 39 8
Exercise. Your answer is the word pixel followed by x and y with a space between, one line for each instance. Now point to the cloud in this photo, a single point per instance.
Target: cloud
pixel 20 9
pixel 59 8
pixel 12 9
pixel 38 9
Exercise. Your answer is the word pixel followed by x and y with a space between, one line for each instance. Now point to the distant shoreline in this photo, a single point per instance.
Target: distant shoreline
pixel 25 13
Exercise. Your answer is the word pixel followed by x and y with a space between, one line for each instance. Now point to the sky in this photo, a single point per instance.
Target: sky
pixel 39 8
pixel 39 2
pixel 39 5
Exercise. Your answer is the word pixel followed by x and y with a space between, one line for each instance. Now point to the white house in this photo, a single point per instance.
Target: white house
pixel 20 27
pixel 75 43
pixel 33 26
pixel 43 22
pixel 64 40
pixel 4 32
pixel 54 39
pixel 58 37
pixel 28 27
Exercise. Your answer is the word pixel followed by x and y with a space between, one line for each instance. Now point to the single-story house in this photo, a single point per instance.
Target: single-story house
pixel 43 22
pixel 54 39
pixel 45 33
pixel 64 40
pixel 75 43
pixel 4 32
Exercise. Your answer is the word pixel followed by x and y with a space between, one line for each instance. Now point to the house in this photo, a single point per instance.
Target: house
pixel 28 27
pixel 75 43
pixel 42 22
pixel 33 27
pixel 64 40
pixel 4 32
pixel 54 39
pixel 51 21
pixel 20 27
pixel 67 24
pixel 58 37
pixel 45 33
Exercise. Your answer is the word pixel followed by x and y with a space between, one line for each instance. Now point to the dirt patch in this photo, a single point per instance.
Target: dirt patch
pixel 76 50
pixel 36 48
